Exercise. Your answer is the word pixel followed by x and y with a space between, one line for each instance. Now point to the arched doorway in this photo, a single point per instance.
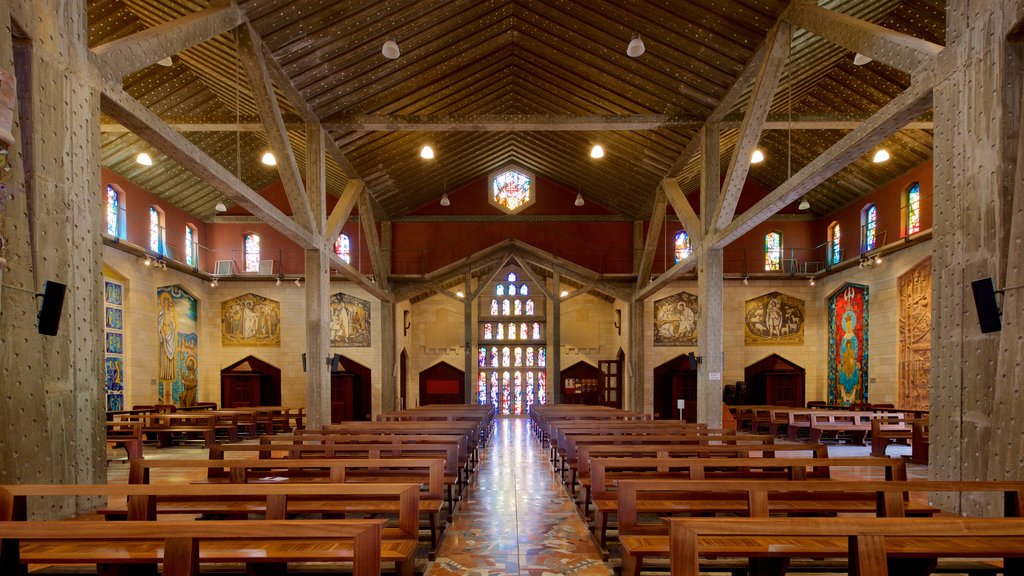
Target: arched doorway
pixel 582 383
pixel 442 383
pixel 350 392
pixel 673 381
pixel 775 381
pixel 250 382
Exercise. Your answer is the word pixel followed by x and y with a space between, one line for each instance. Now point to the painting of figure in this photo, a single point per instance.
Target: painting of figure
pixel 675 320
pixel 350 321
pixel 250 320
pixel 773 319
pixel 848 345
pixel 915 335
pixel 177 346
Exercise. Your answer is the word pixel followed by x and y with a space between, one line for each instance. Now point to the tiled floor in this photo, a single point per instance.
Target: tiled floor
pixel 516 517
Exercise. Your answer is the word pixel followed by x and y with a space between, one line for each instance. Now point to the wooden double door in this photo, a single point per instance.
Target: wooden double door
pixel 350 392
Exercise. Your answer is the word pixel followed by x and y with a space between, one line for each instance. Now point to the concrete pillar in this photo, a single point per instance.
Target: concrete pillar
pixel 52 411
pixel 709 289
pixel 977 390
pixel 636 385
pixel 467 350
pixel 389 328
pixel 318 285
pixel 555 357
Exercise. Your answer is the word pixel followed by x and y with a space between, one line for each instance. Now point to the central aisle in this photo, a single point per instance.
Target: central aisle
pixel 516 518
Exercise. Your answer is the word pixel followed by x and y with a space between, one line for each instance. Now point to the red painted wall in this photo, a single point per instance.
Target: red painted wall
pixel 136 202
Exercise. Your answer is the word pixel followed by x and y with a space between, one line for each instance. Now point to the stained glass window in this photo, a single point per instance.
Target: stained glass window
pixel 542 357
pixel 494 307
pixel 511 330
pixel 156 230
pixel 914 209
pixel 529 356
pixel 506 392
pixel 536 330
pixel 506 359
pixel 505 310
pixel 252 253
pixel 682 246
pixel 518 308
pixel 190 245
pixel 869 220
pixel 524 290
pixel 113 210
pixel 482 357
pixel 494 390
pixel 542 387
pixel 519 392
pixel 488 331
pixel 511 289
pixel 524 333
pixel 529 391
pixel 500 290
pixel 343 248
pixel 481 389
pixel 835 252
pixel 773 252
pixel 501 331
pixel 512 277
pixel 529 307
pixel 494 356
pixel 511 190
pixel 519 357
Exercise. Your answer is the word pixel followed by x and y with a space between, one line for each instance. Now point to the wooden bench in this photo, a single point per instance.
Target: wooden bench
pixel 182 546
pixel 165 425
pixel 467 454
pixel 127 435
pixel 887 428
pixel 919 441
pixel 270 501
pixel 763 498
pixel 857 424
pixel 869 543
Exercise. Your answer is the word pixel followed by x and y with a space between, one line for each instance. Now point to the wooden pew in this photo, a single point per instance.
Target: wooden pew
pixel 466 454
pixel 182 546
pixel 857 424
pixel 885 429
pixel 127 435
pixel 165 425
pixel 919 441
pixel 869 543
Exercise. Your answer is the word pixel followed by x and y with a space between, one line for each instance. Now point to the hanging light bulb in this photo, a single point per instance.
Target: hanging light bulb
pixel 220 207
pixel 269 159
pixel 460 294
pixel 597 151
pixel 757 156
pixel 213 283
pixel 444 200
pixel 636 46
pixel 298 282
pixel 579 199
pixel 881 156
pixel 746 280
pixel 278 282
pixel 390 49
pixel 144 159
pixel 426 153
pixel 564 293
pixel 811 281
pixel 804 204
pixel 860 59
pixel 878 259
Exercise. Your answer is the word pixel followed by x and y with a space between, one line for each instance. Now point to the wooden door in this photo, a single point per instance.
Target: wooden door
pixel 784 388
pixel 342 396
pixel 240 390
pixel 612 371
pixel 684 387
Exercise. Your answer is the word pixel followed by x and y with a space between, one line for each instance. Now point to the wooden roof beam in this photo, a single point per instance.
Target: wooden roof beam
pixel 342 209
pixel 896 49
pixel 349 271
pixel 369 225
pixel 681 206
pixel 677 270
pixel 651 243
pixel 909 105
pixel 120 105
pixel 121 57
pixel 277 134
pixel 768 76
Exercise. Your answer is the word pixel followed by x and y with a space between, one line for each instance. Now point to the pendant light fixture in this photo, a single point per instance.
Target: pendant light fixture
pixel 881 156
pixel 804 204
pixel 579 200
pixel 390 49
pixel 427 153
pixel 597 151
pixel 636 47
pixel 757 156
pixel 144 159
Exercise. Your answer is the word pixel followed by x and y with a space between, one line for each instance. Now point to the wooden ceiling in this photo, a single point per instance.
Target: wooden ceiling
pixel 474 75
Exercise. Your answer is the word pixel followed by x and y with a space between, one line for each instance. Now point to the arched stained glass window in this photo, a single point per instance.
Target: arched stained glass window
pixel 542 358
pixel 835 252
pixel 494 390
pixel 512 277
pixel 488 331
pixel 869 223
pixel 519 392
pixel 542 387
pixel 343 248
pixel 481 389
pixel 529 307
pixel 494 356
pixel 252 253
pixel 524 290
pixel 482 358
pixel 773 251
pixel 500 290
pixel 511 289
pixel 529 357
pixel 536 330
pixel 519 357
pixel 518 308
pixel 524 333
pixel 506 310
pixel 682 246
pixel 494 307
pixel 156 230
pixel 914 209
pixel 501 331
pixel 506 392
pixel 113 212
pixel 190 245
pixel 506 357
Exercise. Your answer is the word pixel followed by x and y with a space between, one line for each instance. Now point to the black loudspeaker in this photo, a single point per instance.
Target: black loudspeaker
pixel 985 303
pixel 49 311
pixel 303 361
pixel 692 358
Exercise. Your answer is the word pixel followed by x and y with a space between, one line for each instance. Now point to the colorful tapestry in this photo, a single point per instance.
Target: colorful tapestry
pixel 915 335
pixel 350 321
pixel 773 319
pixel 178 343
pixel 250 320
pixel 848 345
pixel 675 320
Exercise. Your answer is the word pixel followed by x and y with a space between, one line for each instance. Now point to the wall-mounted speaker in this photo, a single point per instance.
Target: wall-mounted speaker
pixel 985 303
pixel 53 304
pixel 303 361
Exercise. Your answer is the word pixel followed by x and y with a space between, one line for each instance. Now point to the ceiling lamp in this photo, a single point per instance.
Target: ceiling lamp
pixel 860 60
pixel 881 156
pixel 213 282
pixel 390 49
pixel 460 294
pixel 579 199
pixel 220 207
pixel 597 151
pixel 298 282
pixel 757 156
pixel 144 159
pixel 427 153
pixel 166 62
pixel 804 204
pixel 636 46
pixel 445 201
pixel 269 159
pixel 564 293
pixel 810 281
pixel 746 280
pixel 278 282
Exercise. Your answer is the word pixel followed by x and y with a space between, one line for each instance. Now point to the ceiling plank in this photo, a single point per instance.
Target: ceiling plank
pixel 277 134
pixel 147 47
pixel 681 206
pixel 895 49
pixel 910 104
pixel 340 212
pixel 653 234
pixel 369 225
pixel 118 104
pixel 767 81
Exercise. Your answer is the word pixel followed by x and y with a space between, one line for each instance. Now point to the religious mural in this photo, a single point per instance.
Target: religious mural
pixel 848 345
pixel 113 337
pixel 350 321
pixel 915 335
pixel 177 331
pixel 675 320
pixel 773 319
pixel 250 320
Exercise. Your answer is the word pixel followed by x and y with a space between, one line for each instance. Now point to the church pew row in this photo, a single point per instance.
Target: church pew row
pixel 468 453
pixel 611 472
pixel 873 546
pixel 426 471
pixel 761 498
pixel 269 501
pixel 183 546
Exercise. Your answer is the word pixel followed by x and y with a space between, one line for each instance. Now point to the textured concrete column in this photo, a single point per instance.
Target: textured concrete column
pixel 555 357
pixel 52 410
pixel 389 349
pixel 709 289
pixel 318 285
pixel 977 391
pixel 468 355
pixel 638 381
